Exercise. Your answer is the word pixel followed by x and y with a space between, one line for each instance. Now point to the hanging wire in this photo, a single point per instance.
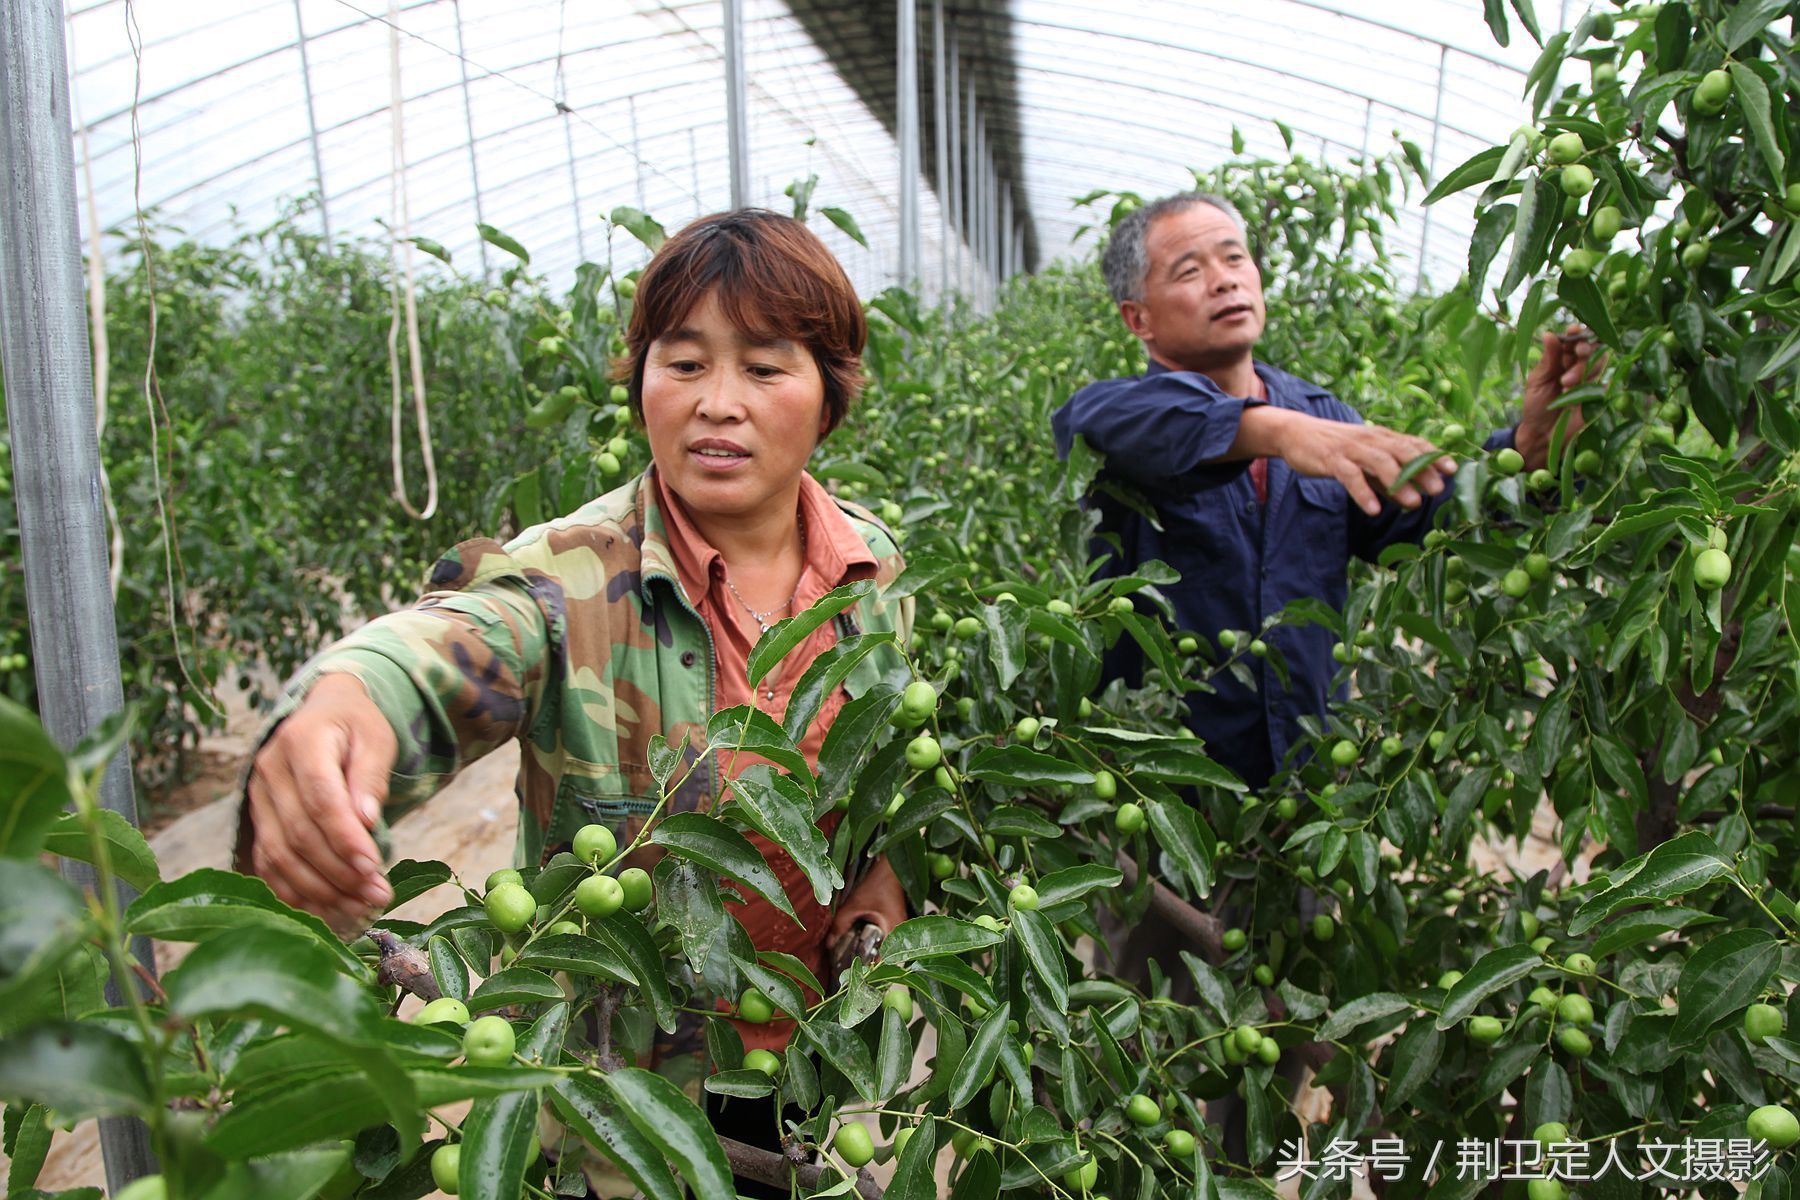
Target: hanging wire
pixel 153 398
pixel 400 238
pixel 392 22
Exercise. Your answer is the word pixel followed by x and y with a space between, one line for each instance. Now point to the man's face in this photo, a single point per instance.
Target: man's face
pixel 1203 304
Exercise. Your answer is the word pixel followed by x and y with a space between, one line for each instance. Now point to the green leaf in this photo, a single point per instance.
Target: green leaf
pixel 826 674
pixel 1636 927
pixel 718 847
pixel 1072 883
pixel 676 1126
pixel 932 936
pixel 779 810
pixel 411 877
pixel 687 898
pixel 580 955
pixel 1681 865
pixel 756 732
pixel 1749 18
pixel 435 249
pixel 207 902
pixel 28 1144
pixel 1178 830
pixel 1182 761
pixel 1528 18
pixel 1023 767
pixel 1044 951
pixel 1495 13
pixel 42 921
pixel 34 787
pixel 847 223
pixel 1540 212
pixel 1491 230
pixel 494 237
pixel 127 851
pixel 1753 96
pixel 1477 169
pixel 775 645
pixel 978 1061
pixel 1497 969
pixel 587 1106
pixel 640 225
pixel 1416 1055
pixel 1361 1009
pixel 80 1070
pixel 894 1055
pixel 274 974
pixel 297 1175
pixel 1720 979
pixel 513 985
pixel 914 1178
pixel 1007 625
pixel 498 1134
pixel 744 1084
pixel 1585 300
pixel 626 936
pixel 845 1050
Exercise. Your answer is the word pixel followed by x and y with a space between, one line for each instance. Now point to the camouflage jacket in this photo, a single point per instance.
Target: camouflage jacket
pixel 578 639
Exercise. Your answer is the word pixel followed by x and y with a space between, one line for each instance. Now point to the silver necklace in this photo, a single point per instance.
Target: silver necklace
pixel 762 618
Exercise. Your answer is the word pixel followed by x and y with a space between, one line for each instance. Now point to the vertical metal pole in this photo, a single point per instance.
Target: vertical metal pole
pixel 56 452
pixel 1437 124
pixel 906 74
pixel 978 211
pixel 737 104
pixel 312 122
pixel 940 142
pixel 694 166
pixel 1368 129
pixel 462 61
pixel 637 149
pixel 952 193
pixel 991 213
pixel 1006 225
pixel 972 174
pixel 574 183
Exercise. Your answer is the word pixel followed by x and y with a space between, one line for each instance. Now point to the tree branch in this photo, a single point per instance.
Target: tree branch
pixel 780 1170
pixel 406 966
pixel 1205 931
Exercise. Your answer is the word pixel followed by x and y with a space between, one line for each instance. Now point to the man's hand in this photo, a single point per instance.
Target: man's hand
pixel 1361 457
pixel 1566 362
pixel 316 789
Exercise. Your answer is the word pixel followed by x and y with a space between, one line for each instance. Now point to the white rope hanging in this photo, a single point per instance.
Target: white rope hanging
pixel 399 234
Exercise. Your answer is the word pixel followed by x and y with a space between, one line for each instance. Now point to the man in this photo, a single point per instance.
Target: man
pixel 1264 484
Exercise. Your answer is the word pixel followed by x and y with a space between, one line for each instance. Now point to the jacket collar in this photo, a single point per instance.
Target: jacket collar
pixel 1282 386
pixel 656 556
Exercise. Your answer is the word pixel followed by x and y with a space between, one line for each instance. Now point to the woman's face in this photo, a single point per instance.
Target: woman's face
pixel 731 419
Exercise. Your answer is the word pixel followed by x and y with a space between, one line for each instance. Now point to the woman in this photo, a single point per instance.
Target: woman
pixel 630 618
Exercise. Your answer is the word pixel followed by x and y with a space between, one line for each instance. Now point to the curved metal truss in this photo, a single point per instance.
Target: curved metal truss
pixel 541 116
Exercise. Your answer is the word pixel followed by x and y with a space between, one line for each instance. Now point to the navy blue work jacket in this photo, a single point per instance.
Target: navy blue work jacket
pixel 1240 560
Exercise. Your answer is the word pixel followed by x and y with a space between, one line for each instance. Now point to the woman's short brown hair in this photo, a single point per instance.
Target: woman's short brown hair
pixel 774 278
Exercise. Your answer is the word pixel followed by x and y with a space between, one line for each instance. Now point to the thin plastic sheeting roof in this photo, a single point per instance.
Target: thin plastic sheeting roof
pixel 540 116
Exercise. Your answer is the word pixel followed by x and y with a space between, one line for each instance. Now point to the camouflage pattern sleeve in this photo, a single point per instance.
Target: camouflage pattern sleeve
pixel 457 675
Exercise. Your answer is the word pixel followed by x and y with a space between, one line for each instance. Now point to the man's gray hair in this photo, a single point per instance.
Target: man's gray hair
pixel 1126 261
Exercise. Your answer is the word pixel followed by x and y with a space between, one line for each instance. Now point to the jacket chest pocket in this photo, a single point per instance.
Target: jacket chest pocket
pixel 1318 532
pixel 617 799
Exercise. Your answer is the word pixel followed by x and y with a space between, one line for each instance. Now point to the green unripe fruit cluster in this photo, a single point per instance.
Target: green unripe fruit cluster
pixel 1775 1125
pixel 1565 148
pixel 594 844
pixel 1577 181
pixel 510 907
pixel 488 1042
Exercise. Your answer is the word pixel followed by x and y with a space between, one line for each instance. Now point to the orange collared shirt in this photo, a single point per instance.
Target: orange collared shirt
pixel 835 555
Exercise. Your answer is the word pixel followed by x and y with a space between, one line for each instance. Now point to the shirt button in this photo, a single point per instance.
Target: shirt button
pixel 687 658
